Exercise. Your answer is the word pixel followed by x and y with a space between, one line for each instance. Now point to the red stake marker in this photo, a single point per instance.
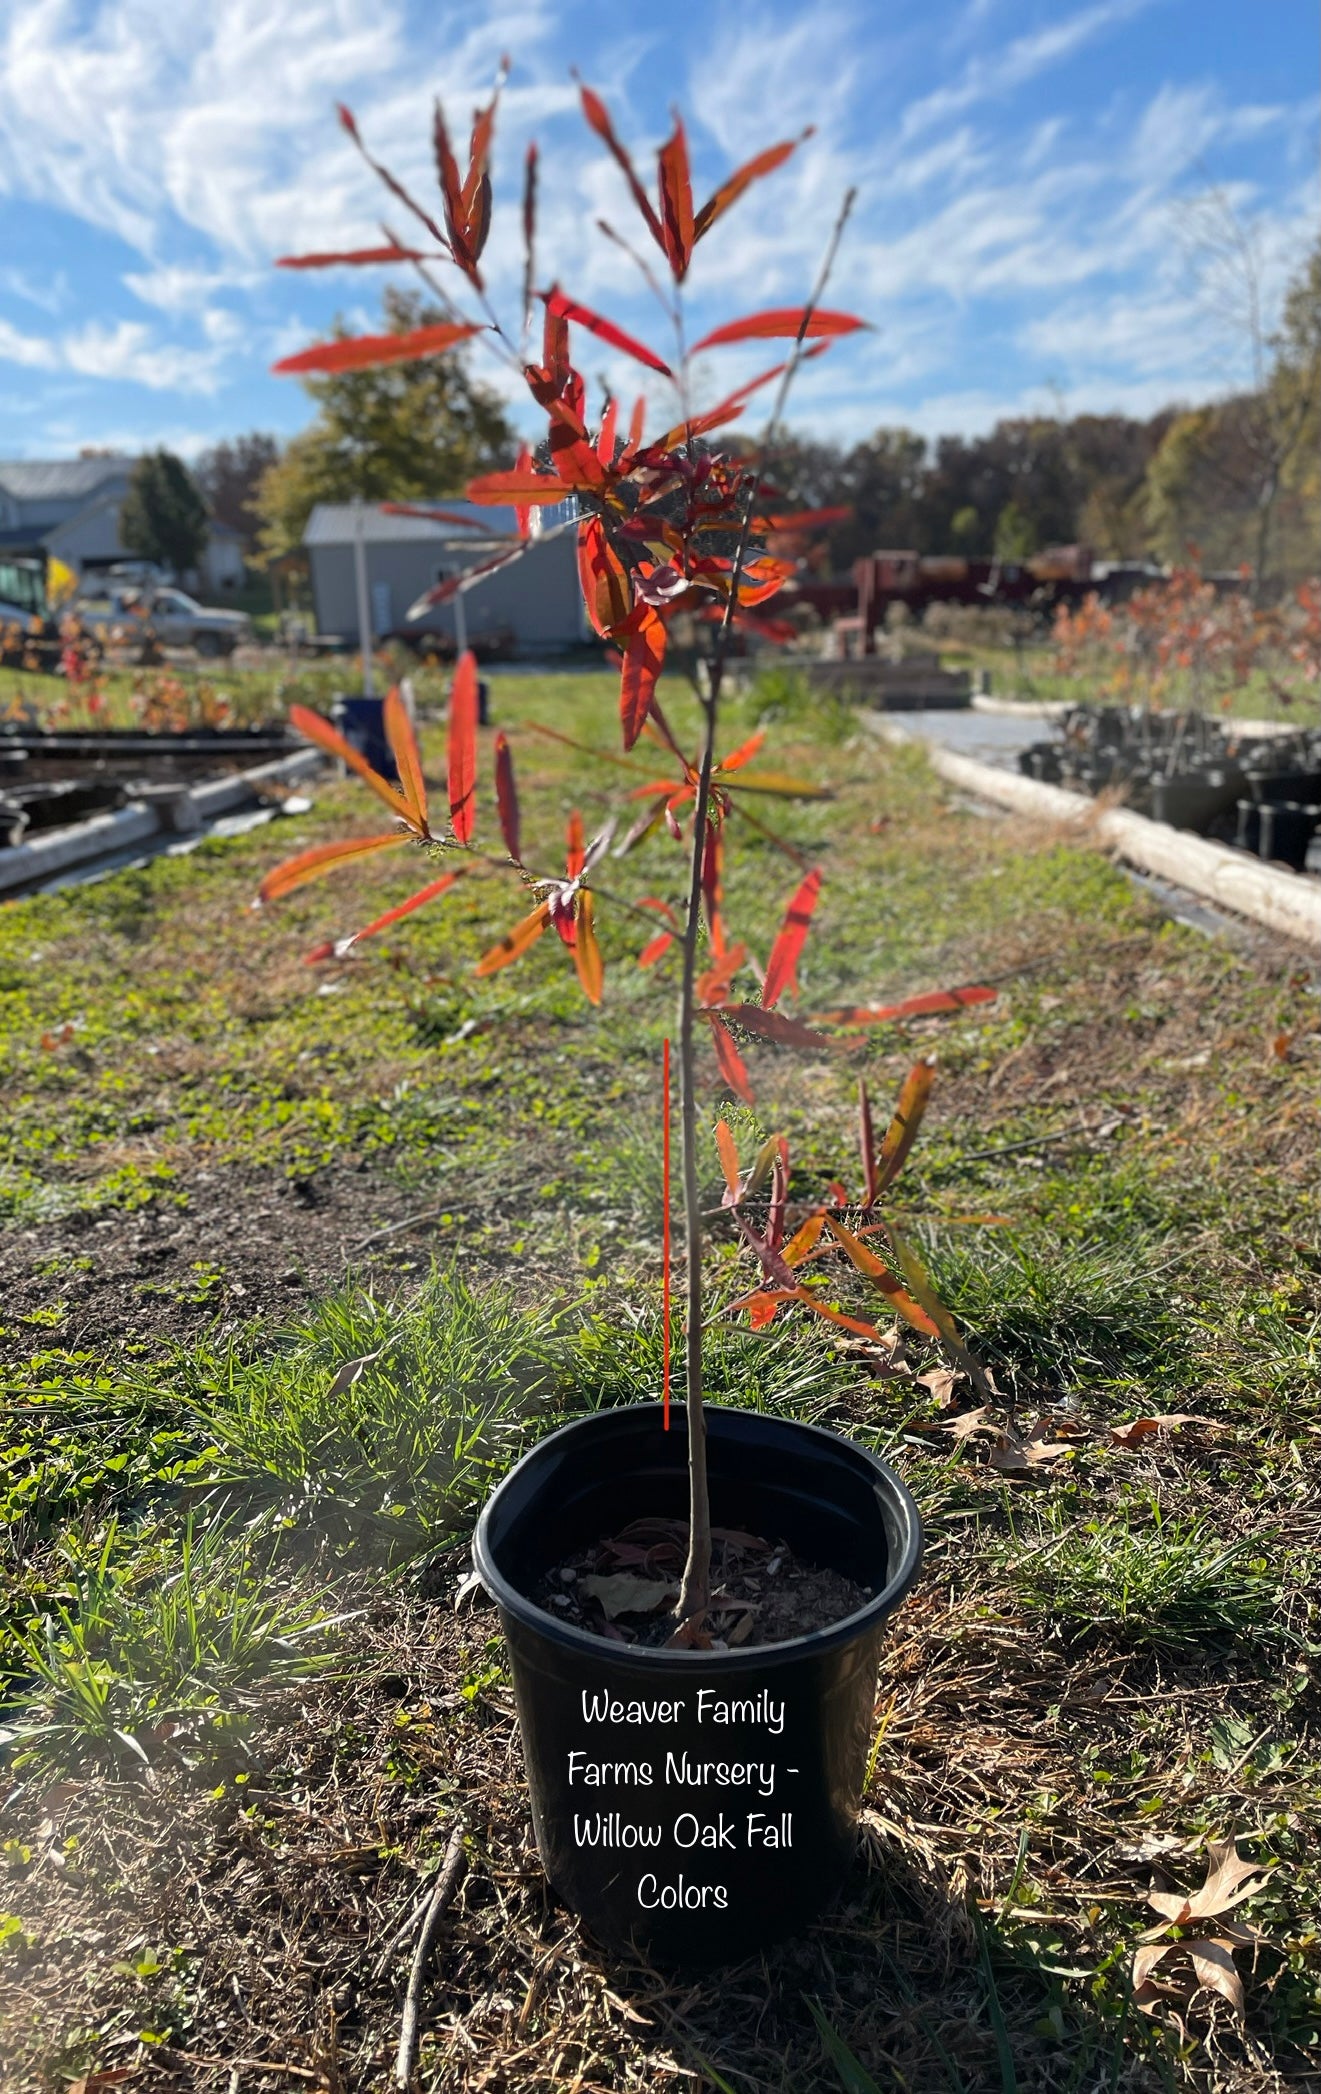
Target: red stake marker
pixel 665 1230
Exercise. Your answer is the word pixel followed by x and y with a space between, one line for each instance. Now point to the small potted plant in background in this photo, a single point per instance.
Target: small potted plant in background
pixel 693 1603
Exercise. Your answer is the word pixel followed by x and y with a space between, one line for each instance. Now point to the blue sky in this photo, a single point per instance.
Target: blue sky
pixel 1024 238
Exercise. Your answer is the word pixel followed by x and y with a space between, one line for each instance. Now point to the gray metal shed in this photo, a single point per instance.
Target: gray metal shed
pixel 533 606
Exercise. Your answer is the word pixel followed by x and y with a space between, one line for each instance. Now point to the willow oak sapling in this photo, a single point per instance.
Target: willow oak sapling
pixel 667 528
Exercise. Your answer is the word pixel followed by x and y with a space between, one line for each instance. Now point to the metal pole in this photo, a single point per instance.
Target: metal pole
pixel 364 601
pixel 460 624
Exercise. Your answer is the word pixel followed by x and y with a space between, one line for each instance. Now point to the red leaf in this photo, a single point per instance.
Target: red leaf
pixel 575 856
pixel 415 901
pixel 655 949
pixel 676 198
pixel 506 798
pixel 566 309
pixel 360 352
pixel 644 654
pixel 751 171
pixel 780 323
pixel 433 515
pixel 636 424
pixel 594 110
pixel 662 943
pixel 328 738
pixel 809 519
pixel 713 894
pixel 605 442
pixel 522 485
pixel 753 1017
pixel 782 965
pixel 463 747
pixel 355 257
pixel 732 1065
pixel 587 953
pixel 322 858
pixel 933 1003
pixel 602 578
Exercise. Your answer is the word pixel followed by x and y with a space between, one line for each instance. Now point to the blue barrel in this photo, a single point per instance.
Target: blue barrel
pixel 361 721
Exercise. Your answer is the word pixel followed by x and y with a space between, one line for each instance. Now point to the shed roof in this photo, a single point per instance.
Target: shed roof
pixel 59 479
pixel 334 523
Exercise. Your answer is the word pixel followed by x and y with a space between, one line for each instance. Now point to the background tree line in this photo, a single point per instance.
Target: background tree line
pixel 1239 479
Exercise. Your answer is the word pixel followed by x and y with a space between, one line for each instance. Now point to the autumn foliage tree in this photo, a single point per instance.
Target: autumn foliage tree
pixel 668 528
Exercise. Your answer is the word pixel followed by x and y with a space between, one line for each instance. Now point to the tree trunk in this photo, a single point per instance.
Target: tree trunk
pixel 695 1591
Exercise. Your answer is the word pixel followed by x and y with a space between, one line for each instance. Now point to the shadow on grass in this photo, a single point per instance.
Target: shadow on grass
pixel 903 1985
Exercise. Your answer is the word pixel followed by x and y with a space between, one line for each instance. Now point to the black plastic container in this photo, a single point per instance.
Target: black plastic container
pixel 695 1806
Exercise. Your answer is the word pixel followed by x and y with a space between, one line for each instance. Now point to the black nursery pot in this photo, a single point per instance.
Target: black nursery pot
pixel 695 1806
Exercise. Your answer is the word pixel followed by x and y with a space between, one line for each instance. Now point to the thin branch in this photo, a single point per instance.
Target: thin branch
pixel 447 1883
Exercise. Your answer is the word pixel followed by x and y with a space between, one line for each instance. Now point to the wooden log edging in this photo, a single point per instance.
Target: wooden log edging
pixel 1283 901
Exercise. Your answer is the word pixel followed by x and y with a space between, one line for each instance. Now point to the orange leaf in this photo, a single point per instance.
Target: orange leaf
pixel 732 1066
pixel 506 798
pixel 743 754
pixel 586 952
pixel 361 352
pixel 676 198
pixel 515 942
pixel 644 655
pixel 415 901
pixel 751 171
pixel 463 747
pixel 804 1240
pixel 403 747
pixel 934 1003
pixel 782 322
pixel 902 1130
pixel 661 944
pixel 567 309
pixel 328 738
pixel 714 984
pixel 880 1275
pixel 322 858
pixel 725 1143
pixel 602 577
pixel 782 965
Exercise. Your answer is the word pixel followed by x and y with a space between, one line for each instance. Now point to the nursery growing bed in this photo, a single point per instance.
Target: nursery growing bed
pixel 1142 1101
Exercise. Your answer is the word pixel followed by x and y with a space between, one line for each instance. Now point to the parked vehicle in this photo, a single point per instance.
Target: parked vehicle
pixel 175 619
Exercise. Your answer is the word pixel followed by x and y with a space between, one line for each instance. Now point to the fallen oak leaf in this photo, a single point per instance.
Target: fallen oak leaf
pixel 1021 1457
pixel 1226 1877
pixel 625 1593
pixel 1142 1428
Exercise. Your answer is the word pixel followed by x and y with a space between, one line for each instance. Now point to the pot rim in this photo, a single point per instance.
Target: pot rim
pixel 746 1658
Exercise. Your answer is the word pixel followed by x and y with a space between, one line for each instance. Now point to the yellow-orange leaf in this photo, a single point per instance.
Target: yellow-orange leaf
pixel 516 942
pixel 322 858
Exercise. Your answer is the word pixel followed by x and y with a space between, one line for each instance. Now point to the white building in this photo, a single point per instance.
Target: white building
pixel 70 507
pixel 531 607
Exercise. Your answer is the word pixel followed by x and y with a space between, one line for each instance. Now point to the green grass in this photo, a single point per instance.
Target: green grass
pixel 1146 1578
pixel 188 1518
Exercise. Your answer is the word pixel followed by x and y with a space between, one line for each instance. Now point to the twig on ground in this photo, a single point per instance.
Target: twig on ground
pixel 447 1883
pixel 410 1221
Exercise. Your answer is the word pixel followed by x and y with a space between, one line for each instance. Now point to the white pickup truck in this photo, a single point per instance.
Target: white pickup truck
pixel 174 618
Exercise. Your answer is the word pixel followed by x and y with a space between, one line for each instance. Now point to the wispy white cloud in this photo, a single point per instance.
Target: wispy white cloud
pixel 1026 230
